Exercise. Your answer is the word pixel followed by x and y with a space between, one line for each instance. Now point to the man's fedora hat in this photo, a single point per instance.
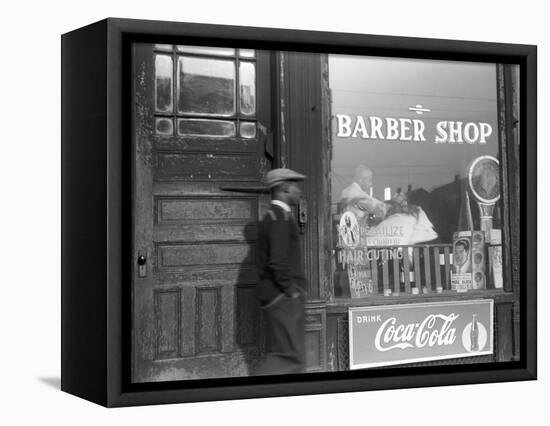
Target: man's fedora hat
pixel 276 176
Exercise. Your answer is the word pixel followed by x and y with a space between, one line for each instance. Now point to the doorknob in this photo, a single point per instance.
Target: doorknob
pixel 142 266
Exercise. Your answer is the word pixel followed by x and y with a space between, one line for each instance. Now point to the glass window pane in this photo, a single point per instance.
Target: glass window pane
pixel 206 50
pixel 247 76
pixel 206 86
pixel 163 83
pixel 164 126
pixel 248 130
pixel 246 53
pixel 406 137
pixel 199 127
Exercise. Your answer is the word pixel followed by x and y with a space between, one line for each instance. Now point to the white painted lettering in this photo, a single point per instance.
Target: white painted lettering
pixel 405 127
pixel 360 128
pixel 419 131
pixel 485 131
pixel 468 137
pixel 455 132
pixel 376 128
pixel 344 125
pixel 441 133
pixel 392 131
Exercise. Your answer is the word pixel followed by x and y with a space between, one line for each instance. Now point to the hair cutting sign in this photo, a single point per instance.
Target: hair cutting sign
pixel 402 334
pixel 411 130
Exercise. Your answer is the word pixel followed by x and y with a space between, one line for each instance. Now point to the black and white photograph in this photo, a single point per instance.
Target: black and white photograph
pixel 276 192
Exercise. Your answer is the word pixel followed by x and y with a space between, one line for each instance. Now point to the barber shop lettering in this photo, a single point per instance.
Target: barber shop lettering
pixel 411 130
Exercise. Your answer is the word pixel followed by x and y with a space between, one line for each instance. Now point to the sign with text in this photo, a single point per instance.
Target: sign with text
pixel 402 334
pixel 410 130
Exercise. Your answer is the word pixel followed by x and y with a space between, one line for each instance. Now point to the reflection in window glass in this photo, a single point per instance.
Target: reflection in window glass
pixel 206 86
pixel 164 126
pixel 247 76
pixel 405 134
pixel 205 50
pixel 163 83
pixel 246 53
pixel 191 127
pixel 248 130
pixel 167 47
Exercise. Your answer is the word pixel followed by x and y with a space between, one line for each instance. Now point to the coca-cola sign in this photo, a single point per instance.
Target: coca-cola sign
pixel 407 333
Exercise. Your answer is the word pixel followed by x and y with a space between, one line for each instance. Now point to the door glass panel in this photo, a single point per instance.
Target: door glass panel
pixel 164 126
pixel 165 47
pixel 248 130
pixel 163 83
pixel 206 86
pixel 246 53
pixel 190 127
pixel 247 76
pixel 205 50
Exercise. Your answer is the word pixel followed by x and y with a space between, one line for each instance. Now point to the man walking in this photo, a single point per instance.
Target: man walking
pixel 281 279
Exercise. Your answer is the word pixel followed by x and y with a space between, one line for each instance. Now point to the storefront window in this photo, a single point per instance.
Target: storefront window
pixel 415 191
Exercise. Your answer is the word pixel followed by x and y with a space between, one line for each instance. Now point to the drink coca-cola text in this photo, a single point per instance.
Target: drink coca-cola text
pixel 434 330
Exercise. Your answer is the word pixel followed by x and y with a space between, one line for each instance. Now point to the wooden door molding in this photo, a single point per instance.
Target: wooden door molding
pixel 305 133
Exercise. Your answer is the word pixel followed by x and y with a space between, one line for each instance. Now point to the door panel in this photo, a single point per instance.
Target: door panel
pixel 194 310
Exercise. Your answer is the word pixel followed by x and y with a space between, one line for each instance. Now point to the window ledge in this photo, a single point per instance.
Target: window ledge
pixel 341 305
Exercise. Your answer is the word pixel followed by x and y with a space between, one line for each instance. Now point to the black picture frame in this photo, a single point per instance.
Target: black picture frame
pixel 96 204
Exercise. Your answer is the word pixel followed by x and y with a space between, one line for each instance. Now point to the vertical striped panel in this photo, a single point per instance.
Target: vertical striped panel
pixel 447 268
pixel 374 273
pixel 407 270
pixel 437 267
pixel 416 258
pixel 385 274
pixel 427 275
pixel 396 275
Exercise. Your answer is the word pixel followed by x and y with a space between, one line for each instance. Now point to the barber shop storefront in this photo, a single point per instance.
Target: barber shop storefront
pixel 404 223
pixel 416 212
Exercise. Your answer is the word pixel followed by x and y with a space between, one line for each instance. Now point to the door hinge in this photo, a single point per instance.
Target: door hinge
pixel 267 139
pixel 302 214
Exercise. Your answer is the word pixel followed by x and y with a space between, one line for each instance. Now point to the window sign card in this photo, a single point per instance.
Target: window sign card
pixel 401 334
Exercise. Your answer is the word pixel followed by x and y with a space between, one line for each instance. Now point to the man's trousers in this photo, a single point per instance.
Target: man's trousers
pixel 286 351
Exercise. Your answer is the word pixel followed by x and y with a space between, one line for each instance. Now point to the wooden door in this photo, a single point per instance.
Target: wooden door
pixel 200 118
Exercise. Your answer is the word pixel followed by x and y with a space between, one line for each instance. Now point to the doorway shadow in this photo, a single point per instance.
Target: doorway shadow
pixel 248 324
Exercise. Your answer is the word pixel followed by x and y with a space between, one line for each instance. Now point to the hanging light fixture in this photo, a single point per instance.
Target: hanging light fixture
pixel 419 109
